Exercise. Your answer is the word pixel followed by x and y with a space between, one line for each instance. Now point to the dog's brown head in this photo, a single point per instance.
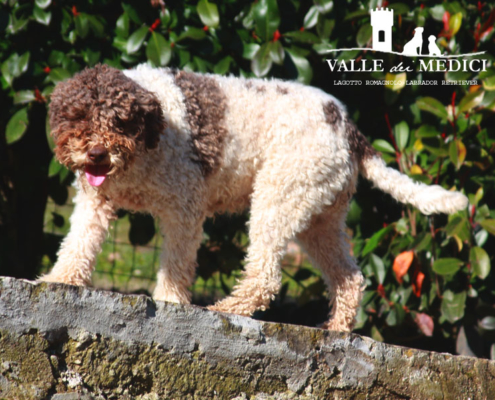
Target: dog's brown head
pixel 100 118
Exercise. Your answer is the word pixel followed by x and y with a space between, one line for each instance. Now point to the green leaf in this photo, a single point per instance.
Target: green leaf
pixel 433 106
pixel 56 58
pixel 262 60
pixel 364 35
pixel 82 25
pixel 324 6
pixel 136 40
pixel 14 66
pixel 6 74
pixel 437 12
pixel 16 25
pixel 165 17
pixel 455 23
pixel 23 96
pixel 324 27
pixel 266 18
pixel 375 240
pixel 489 83
pixel 357 14
pixel 399 8
pixel 192 33
pixel 22 64
pixel 458 226
pixel 303 37
pixel 249 50
pixel 17 125
pixel 49 139
pixel 424 243
pixel 471 100
pixel 54 168
pixel 378 268
pixel 132 13
pixel 158 50
pixel 248 20
pixel 43 17
pixel 208 13
pixel 480 262
pixel 383 146
pixel 305 72
pixel 277 53
pixel 43 3
pixel 311 18
pixel 457 153
pixel 122 26
pixel 376 335
pixel 447 266
pixel 59 75
pixel 91 57
pixel 96 26
pixel 396 315
pixel 425 131
pixel 488 323
pixel 488 225
pixel 453 305
pixel 223 66
pixel 401 133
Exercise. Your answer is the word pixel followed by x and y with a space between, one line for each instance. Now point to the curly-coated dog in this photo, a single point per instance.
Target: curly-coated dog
pixel 184 146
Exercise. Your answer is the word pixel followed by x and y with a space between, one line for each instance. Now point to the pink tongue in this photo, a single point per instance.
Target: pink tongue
pixel 96 174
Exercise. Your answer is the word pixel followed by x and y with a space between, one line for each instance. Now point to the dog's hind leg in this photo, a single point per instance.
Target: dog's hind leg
pixel 327 245
pixel 182 235
pixel 283 202
pixel 89 226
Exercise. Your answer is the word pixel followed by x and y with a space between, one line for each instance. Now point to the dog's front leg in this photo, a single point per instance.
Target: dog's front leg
pixel 89 226
pixel 182 235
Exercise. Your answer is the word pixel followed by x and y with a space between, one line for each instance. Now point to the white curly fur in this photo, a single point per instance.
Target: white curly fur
pixel 281 157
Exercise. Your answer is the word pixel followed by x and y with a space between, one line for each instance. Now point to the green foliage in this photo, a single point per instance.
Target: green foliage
pixel 438 135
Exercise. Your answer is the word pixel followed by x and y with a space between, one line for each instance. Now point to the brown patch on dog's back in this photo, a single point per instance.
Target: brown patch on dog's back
pixel 282 90
pixel 206 105
pixel 333 116
pixel 260 89
pixel 358 144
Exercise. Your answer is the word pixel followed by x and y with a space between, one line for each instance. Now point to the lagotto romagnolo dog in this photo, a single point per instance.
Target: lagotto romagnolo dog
pixel 184 146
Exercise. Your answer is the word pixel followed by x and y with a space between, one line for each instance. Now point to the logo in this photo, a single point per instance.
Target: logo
pixel 382 22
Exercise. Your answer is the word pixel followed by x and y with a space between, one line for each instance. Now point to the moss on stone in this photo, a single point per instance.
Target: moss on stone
pixel 125 355
pixel 25 364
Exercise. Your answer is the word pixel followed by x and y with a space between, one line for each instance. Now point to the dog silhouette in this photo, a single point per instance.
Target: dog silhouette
pixel 432 46
pixel 413 47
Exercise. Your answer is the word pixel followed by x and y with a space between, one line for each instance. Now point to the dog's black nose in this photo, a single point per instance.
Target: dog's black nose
pixel 97 153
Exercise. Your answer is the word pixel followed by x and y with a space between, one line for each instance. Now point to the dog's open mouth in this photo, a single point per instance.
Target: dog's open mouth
pixel 96 174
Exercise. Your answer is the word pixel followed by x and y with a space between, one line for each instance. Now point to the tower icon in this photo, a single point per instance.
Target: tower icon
pixel 382 20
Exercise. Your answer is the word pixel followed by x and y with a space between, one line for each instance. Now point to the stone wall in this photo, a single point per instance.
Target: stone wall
pixel 61 342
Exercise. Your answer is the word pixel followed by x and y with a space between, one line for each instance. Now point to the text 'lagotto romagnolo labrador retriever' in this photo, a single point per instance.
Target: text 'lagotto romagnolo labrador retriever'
pixel 184 146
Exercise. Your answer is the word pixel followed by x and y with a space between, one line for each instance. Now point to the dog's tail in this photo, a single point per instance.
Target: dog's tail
pixel 428 199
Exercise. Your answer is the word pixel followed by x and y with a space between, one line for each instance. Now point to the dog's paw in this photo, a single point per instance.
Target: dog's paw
pixel 236 305
pixel 171 296
pixel 337 326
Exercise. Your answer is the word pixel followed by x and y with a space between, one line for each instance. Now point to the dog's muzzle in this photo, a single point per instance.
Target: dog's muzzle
pixel 97 165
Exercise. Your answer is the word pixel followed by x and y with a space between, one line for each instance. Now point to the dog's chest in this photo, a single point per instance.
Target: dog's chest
pixel 130 198
pixel 133 193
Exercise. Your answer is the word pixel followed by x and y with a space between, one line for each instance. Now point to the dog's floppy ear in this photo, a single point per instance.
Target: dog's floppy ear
pixel 137 110
pixel 149 111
